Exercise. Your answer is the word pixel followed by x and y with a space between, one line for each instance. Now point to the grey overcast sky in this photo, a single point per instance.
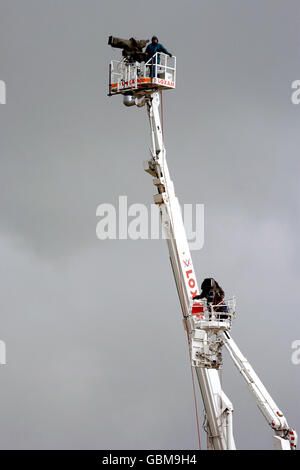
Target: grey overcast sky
pixel 96 352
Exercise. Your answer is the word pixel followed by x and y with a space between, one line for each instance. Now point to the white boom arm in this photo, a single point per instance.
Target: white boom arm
pixel 218 407
pixel 286 437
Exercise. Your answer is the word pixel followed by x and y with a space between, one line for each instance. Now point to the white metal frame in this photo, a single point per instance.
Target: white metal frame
pixel 163 68
pixel 125 76
pixel 122 75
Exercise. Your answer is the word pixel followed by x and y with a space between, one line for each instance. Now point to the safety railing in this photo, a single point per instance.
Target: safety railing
pixel 158 72
pixel 122 75
pixel 162 69
pixel 200 310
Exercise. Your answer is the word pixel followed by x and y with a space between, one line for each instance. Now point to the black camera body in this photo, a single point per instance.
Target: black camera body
pixel 132 48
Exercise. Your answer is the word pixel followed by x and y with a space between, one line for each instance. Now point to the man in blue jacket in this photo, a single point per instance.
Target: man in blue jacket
pixel 151 50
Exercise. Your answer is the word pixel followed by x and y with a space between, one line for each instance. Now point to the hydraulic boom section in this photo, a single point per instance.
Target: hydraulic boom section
pixel 218 407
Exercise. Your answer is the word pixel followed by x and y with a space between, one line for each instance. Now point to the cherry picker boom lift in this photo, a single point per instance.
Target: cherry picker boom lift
pixel 207 330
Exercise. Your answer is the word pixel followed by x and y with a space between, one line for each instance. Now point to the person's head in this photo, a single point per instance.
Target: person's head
pixel 208 284
pixel 154 39
pixel 208 287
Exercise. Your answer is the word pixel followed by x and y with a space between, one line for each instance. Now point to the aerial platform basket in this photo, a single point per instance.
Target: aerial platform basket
pixel 208 316
pixel 159 73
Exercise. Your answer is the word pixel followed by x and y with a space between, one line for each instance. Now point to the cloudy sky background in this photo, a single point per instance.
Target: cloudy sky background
pixel 96 352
